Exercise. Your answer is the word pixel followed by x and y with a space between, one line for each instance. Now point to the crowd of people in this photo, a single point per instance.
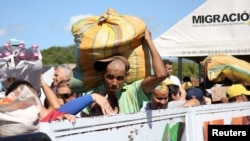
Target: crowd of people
pixel 161 90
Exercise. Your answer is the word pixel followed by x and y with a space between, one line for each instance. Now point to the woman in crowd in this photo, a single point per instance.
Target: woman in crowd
pixel 66 100
pixel 178 97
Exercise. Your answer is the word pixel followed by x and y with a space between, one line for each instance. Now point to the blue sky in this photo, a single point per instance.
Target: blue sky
pixel 48 22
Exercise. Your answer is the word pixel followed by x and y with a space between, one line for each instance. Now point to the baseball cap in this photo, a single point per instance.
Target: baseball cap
pixel 100 65
pixel 237 89
pixel 197 92
pixel 167 81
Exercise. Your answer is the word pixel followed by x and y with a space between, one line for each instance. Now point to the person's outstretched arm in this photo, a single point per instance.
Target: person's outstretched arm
pixel 76 105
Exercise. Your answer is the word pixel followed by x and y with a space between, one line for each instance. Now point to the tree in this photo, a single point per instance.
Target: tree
pixel 66 55
pixel 58 55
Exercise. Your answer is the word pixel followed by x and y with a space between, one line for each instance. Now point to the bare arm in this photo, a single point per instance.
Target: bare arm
pixel 191 102
pixel 183 93
pixel 50 95
pixel 150 82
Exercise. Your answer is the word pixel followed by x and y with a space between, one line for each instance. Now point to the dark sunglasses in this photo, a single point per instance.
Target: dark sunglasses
pixel 66 95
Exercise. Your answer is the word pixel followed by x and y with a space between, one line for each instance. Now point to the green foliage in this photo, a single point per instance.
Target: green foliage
pixel 188 69
pixel 58 55
pixel 66 55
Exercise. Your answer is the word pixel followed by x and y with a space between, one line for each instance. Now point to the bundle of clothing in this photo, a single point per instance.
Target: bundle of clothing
pixel 19 112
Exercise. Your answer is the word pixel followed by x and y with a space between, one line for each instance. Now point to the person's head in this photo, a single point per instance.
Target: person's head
pixel 113 101
pixel 160 97
pixel 187 83
pixel 186 79
pixel 169 67
pixel 195 93
pixel 62 72
pixel 237 93
pixel 174 92
pixel 114 70
pixel 63 91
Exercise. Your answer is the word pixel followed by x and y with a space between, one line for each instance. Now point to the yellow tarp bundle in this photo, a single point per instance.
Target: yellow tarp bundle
pixel 219 66
pixel 99 37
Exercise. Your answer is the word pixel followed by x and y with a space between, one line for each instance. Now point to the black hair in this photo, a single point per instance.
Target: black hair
pixel 173 91
pixel 186 79
pixel 167 62
pixel 113 101
pixel 16 84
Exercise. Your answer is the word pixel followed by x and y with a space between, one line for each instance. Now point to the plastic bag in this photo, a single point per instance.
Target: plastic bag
pixel 13 68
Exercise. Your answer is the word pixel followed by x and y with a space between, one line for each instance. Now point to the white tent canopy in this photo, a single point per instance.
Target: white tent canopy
pixel 217 26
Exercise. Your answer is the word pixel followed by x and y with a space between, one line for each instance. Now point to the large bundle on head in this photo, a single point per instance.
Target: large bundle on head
pixel 110 34
pixel 220 66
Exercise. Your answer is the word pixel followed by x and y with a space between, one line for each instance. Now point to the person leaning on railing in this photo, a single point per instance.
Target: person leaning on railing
pixel 238 93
